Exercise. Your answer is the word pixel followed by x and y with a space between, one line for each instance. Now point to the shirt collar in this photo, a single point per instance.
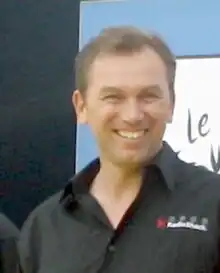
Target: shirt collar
pixel 165 162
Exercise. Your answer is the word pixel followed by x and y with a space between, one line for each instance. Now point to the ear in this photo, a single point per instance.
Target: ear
pixel 79 104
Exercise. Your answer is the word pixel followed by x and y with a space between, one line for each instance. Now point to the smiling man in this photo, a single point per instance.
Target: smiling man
pixel 138 207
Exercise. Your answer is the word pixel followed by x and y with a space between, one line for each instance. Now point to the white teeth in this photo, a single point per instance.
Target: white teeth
pixel 131 135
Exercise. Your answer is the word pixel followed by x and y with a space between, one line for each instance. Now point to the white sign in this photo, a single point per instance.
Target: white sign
pixel 195 130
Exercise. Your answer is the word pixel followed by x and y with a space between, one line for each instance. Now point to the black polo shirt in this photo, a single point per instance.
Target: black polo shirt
pixel 173 225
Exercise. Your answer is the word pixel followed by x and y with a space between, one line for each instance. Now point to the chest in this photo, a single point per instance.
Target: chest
pixel 143 246
pixel 159 248
pixel 160 236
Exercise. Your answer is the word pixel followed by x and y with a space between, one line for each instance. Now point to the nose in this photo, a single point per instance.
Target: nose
pixel 132 112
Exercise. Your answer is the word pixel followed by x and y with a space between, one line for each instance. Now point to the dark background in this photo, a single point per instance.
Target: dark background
pixel 38 42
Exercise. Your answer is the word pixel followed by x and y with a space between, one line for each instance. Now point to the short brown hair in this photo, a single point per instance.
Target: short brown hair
pixel 121 40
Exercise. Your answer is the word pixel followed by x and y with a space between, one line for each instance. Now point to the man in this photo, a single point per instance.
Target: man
pixel 137 208
pixel 8 246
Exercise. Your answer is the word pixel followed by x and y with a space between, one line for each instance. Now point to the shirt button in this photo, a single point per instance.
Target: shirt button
pixel 111 248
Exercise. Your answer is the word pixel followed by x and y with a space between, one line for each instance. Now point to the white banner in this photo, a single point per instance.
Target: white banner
pixel 195 131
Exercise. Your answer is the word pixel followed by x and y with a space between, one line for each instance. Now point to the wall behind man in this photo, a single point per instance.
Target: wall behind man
pixel 39 40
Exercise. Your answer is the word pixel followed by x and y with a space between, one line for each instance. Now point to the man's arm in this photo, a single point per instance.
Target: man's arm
pixel 8 245
pixel 9 256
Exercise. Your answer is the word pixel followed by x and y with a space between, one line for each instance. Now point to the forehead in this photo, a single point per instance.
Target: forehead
pixel 140 68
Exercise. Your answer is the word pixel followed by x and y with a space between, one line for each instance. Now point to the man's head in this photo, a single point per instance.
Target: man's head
pixel 125 93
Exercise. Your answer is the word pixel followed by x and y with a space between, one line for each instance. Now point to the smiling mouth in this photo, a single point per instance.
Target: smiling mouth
pixel 131 135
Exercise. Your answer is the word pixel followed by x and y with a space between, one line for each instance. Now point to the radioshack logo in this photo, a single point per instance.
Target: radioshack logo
pixel 193 222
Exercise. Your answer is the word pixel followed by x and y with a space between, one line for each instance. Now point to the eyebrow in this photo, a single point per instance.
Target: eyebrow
pixel 155 88
pixel 111 89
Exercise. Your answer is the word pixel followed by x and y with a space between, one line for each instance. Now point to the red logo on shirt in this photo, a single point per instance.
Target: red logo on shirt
pixel 161 223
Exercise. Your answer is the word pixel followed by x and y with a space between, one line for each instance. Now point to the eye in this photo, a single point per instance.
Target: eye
pixel 112 98
pixel 149 97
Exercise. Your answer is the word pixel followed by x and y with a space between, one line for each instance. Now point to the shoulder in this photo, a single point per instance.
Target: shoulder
pixel 199 178
pixel 31 232
pixel 41 212
pixel 198 173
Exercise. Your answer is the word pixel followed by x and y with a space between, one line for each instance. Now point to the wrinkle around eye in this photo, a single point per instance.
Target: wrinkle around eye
pixel 112 98
pixel 150 98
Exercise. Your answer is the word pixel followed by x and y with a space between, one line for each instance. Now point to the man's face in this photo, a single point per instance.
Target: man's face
pixel 127 105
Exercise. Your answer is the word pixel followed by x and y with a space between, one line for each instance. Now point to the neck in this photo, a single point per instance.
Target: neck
pixel 115 181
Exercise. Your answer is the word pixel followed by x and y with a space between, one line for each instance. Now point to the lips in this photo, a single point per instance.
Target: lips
pixel 131 134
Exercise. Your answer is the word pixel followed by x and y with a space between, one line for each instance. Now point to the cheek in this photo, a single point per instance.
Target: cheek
pixel 160 111
pixel 100 115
